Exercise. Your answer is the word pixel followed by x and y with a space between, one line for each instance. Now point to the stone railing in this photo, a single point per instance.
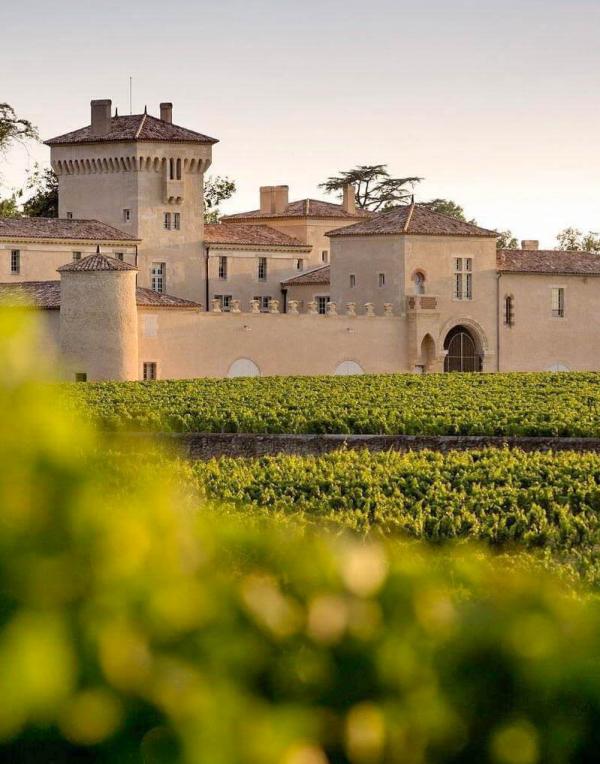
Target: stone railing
pixel 349 310
pixel 418 302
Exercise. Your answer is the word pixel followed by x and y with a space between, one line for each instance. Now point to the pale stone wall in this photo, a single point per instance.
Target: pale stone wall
pixel 39 260
pixel 537 341
pixel 303 294
pixel 99 324
pixel 187 344
pixel 242 272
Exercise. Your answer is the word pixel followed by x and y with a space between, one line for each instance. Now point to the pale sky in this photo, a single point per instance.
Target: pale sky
pixel 496 104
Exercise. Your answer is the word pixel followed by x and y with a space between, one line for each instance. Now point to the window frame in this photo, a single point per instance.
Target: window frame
pixel 322 301
pixel 262 269
pixel 463 279
pixel 151 366
pixel 324 255
pixel 352 281
pixel 264 301
pixel 223 267
pixel 167 221
pixel 126 214
pixel 224 301
pixel 158 276
pixel 558 311
pixel 177 221
pixel 509 310
pixel 15 262
pixel 380 280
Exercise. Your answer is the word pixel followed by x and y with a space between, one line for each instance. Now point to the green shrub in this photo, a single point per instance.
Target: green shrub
pixel 438 404
pixel 134 629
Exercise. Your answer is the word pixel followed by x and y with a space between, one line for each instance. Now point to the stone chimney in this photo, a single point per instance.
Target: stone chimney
pixel 166 112
pixel 530 244
pixel 101 116
pixel 274 199
pixel 282 198
pixel 349 200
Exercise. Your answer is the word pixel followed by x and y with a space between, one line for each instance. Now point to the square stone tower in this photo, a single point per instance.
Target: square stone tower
pixel 143 175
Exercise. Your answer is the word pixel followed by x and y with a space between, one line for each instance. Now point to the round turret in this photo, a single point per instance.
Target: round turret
pixel 98 319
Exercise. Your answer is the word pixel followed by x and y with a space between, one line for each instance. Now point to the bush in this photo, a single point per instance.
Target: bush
pixel 134 629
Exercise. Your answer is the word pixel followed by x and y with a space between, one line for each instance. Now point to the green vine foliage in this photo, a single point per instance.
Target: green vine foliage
pixel 553 404
pixel 136 628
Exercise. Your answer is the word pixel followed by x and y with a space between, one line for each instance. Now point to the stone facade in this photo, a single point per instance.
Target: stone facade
pixel 147 290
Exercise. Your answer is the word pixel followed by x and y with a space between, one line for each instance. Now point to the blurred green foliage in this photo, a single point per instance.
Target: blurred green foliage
pixel 559 404
pixel 134 628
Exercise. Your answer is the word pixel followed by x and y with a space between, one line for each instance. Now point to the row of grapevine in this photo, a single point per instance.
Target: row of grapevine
pixel 503 498
pixel 504 404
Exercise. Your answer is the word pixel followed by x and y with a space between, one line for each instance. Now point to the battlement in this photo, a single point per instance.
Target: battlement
pixel 349 310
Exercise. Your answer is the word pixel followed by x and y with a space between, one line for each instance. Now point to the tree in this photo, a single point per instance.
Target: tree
pixel 9 207
pixel 376 190
pixel 216 190
pixel 506 240
pixel 14 129
pixel 574 240
pixel 43 202
pixel 450 208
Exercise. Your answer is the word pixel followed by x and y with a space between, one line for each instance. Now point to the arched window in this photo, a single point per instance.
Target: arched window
pixel 243 367
pixel 348 369
pixel 419 282
pixel 509 310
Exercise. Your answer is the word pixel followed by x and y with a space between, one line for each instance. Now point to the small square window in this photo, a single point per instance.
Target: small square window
pixel 76 255
pixel 69 216
pixel 120 255
pixel 80 376
pixel 324 256
pixel 322 303
pixel 126 216
pixel 15 261
pixel 149 370
pixel 299 264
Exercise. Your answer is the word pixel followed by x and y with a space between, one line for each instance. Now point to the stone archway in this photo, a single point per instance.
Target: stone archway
pixel 243 367
pixel 463 352
pixel 428 353
pixel 348 369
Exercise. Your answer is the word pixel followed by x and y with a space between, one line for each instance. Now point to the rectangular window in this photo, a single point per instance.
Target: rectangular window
pixel 159 272
pixel 167 222
pixel 262 268
pixel 177 221
pixel 15 261
pixel 224 301
pixel 299 264
pixel 76 255
pixel 264 303
pixel 558 302
pixel 69 216
pixel 352 280
pixel 463 278
pixel 223 268
pixel 149 370
pixel 381 279
pixel 80 376
pixel 322 303
pixel 120 255
pixel 324 256
pixel 126 216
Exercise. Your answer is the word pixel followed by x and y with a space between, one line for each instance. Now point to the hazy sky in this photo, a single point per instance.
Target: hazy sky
pixel 496 103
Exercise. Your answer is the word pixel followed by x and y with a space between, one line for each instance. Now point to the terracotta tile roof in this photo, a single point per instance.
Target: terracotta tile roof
pixel 147 298
pixel 46 295
pixel 320 275
pixel 96 263
pixel 60 228
pixel 224 233
pixel 134 127
pixel 42 294
pixel 314 208
pixel 413 220
pixel 548 261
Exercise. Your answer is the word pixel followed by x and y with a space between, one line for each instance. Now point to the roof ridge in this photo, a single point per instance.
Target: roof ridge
pixel 139 130
pixel 409 216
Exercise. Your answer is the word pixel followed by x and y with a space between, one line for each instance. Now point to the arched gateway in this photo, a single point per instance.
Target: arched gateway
pixel 463 353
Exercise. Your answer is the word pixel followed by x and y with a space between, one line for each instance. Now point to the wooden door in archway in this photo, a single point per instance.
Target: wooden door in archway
pixel 462 355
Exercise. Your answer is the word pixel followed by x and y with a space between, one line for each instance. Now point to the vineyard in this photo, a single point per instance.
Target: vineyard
pixel 509 500
pixel 503 404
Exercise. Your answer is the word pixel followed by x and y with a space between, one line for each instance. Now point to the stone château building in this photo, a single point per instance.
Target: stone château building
pixel 133 285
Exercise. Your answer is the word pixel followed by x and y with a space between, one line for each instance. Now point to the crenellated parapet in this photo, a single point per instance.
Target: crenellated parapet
pixel 118 164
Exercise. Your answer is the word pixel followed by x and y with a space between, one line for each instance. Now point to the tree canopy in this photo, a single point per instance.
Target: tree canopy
pixel 506 240
pixel 216 190
pixel 42 184
pixel 376 189
pixel 13 129
pixel 574 240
